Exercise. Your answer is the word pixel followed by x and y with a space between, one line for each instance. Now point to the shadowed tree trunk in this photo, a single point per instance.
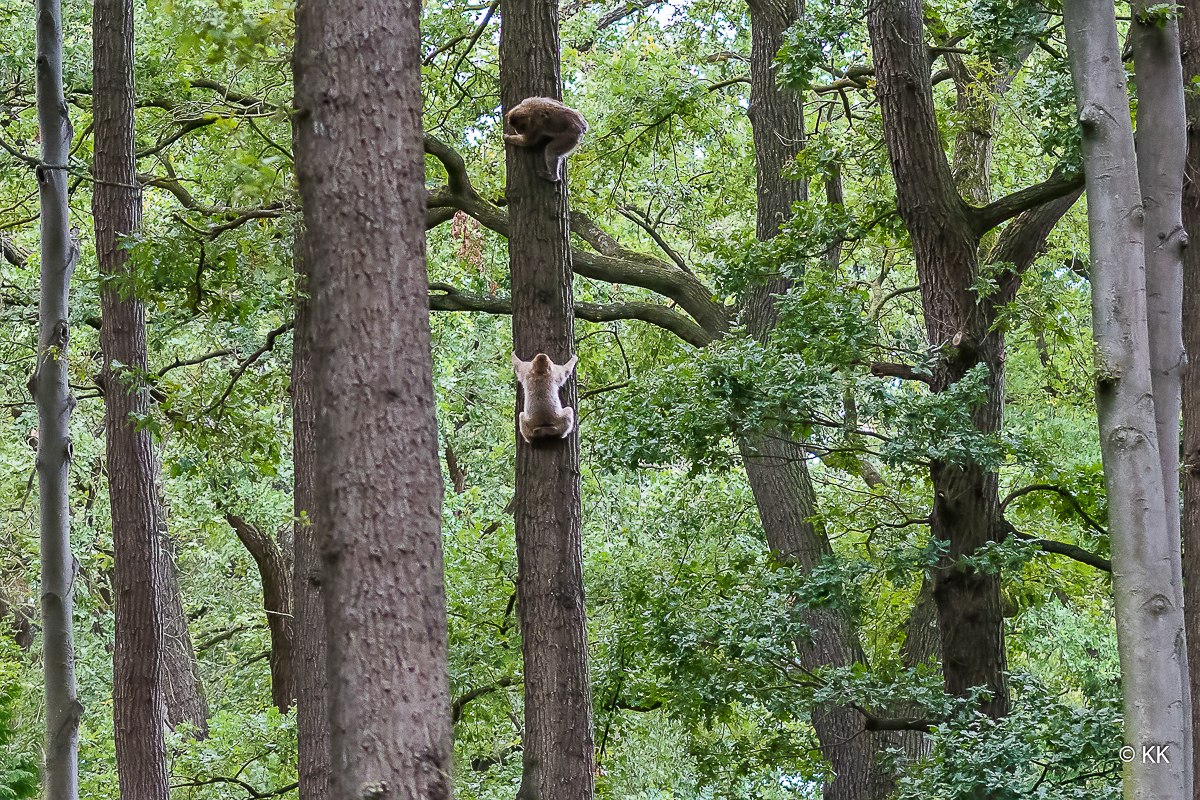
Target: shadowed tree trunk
pixel 1189 33
pixel 946 234
pixel 378 482
pixel 54 404
pixel 275 573
pixel 1146 583
pixel 558 760
pixel 138 707
pixel 776 466
pixel 312 699
pixel 183 693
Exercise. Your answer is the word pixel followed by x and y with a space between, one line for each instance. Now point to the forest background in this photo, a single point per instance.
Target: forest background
pixel 691 622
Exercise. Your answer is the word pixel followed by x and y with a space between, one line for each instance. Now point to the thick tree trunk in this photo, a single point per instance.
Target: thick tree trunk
pixel 966 508
pixel 183 692
pixel 558 760
pixel 1189 35
pixel 360 166
pixel 312 687
pixel 777 467
pixel 1146 587
pixel 138 708
pixel 275 573
pixel 54 404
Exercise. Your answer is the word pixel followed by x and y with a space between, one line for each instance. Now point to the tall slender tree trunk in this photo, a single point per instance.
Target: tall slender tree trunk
pixel 776 466
pixel 360 166
pixel 558 760
pixel 312 688
pixel 1189 41
pixel 138 708
pixel 1161 152
pixel 54 404
pixel 1146 586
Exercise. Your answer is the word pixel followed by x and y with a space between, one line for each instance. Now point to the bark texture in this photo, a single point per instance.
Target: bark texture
pixel 54 403
pixel 945 245
pixel 776 466
pixel 312 686
pixel 183 693
pixel 378 484
pixel 1189 42
pixel 1146 587
pixel 558 759
pixel 275 572
pixel 138 706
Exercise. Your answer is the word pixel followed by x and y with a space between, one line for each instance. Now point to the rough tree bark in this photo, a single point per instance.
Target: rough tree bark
pixel 1189 42
pixel 312 687
pixel 54 403
pixel 776 466
pixel 183 693
pixel 1146 585
pixel 378 484
pixel 558 759
pixel 275 573
pixel 138 708
pixel 946 233
pixel 945 246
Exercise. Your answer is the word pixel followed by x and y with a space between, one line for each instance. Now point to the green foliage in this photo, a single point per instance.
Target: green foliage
pixel 18 763
pixel 1047 747
pixel 826 31
pixel 937 427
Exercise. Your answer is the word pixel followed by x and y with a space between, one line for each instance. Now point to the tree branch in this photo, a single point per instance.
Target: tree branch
pixel 189 362
pixel 1061 548
pixel 613 263
pixel 888 369
pixel 1060 491
pixel 450 299
pixel 246 362
pixel 250 790
pixel 456 708
pixel 1059 184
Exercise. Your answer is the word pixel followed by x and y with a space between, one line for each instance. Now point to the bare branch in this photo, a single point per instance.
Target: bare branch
pixel 1061 548
pixel 887 369
pixel 639 219
pixel 1061 492
pixel 456 708
pixel 1059 184
pixel 448 298
pixel 246 362
pixel 613 264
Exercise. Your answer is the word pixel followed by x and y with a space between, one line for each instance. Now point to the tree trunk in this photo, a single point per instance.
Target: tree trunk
pixel 54 404
pixel 183 692
pixel 1161 146
pixel 776 466
pixel 558 760
pixel 945 245
pixel 275 574
pixel 1189 34
pixel 138 709
pixel 360 167
pixel 312 688
pixel 1145 585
